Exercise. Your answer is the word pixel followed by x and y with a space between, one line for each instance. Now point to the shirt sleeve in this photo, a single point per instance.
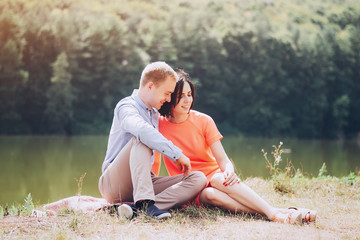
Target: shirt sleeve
pixel 211 132
pixel 132 122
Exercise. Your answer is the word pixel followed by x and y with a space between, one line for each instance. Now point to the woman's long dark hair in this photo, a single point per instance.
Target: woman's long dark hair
pixel 166 109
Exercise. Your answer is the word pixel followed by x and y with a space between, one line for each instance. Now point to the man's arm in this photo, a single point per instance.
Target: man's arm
pixel 131 121
pixel 183 164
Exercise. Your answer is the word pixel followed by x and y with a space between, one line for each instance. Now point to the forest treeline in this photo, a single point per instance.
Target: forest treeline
pixel 262 68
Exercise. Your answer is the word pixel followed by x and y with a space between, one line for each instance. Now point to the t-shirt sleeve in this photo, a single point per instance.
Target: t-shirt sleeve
pixel 211 132
pixel 157 163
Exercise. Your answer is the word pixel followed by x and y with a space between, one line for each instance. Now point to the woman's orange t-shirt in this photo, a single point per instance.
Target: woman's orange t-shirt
pixel 194 137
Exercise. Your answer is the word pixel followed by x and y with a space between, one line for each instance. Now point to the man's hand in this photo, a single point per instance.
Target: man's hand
pixel 183 164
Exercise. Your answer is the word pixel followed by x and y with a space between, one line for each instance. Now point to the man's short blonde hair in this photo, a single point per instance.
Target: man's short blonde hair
pixel 157 72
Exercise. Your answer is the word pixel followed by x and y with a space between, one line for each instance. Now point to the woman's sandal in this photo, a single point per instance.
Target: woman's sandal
pixel 292 217
pixel 307 215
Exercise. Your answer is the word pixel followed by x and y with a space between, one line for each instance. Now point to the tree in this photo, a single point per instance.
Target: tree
pixel 12 74
pixel 59 111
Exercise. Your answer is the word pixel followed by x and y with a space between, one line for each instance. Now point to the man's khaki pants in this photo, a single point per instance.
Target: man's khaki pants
pixel 129 179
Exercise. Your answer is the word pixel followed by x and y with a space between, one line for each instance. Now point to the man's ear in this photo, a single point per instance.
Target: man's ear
pixel 150 85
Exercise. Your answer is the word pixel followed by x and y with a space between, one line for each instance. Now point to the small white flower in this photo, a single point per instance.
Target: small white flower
pixel 281 143
pixel 278 159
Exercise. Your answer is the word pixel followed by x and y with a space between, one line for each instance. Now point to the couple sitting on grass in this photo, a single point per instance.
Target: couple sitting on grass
pixel 199 169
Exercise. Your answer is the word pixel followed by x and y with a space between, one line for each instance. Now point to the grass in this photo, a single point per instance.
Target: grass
pixel 337 201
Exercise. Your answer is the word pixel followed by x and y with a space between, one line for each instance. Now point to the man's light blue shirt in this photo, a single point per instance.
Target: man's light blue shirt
pixel 132 117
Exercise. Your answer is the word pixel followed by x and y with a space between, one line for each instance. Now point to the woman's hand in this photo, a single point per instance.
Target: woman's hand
pixel 225 164
pixel 230 176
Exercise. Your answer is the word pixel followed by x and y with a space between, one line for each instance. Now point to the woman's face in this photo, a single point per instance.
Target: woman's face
pixel 186 99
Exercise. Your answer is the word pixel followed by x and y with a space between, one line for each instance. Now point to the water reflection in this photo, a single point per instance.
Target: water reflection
pixel 48 167
pixel 306 155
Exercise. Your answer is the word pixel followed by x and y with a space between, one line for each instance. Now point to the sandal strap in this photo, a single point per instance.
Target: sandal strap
pixel 307 217
pixel 293 208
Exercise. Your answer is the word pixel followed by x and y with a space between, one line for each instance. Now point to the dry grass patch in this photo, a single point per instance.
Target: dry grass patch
pixel 337 203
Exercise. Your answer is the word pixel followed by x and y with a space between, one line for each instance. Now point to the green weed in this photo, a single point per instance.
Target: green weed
pixel 28 207
pixel 281 178
pixel 322 171
pixel 285 179
pixel 74 223
pixel 194 212
pixel 80 182
pixel 16 209
pixel 352 179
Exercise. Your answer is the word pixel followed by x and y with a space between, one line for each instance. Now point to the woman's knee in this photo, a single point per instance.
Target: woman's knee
pixel 217 180
pixel 208 196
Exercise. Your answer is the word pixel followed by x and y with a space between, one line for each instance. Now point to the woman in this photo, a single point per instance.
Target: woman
pixel 197 135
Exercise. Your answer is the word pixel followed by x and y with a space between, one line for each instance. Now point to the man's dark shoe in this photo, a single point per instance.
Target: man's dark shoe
pixel 152 211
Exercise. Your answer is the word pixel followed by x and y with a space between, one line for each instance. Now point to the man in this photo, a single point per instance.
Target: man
pixel 126 171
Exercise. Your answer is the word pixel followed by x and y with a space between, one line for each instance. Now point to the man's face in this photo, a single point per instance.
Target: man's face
pixel 162 93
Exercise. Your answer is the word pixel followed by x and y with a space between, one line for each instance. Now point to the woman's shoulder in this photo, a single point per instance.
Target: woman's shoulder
pixel 196 115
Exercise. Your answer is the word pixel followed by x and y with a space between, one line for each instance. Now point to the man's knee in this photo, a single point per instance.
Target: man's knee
pixel 198 178
pixel 140 146
pixel 140 154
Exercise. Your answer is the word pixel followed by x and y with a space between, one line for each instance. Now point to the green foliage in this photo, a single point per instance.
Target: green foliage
pixel 279 68
pixel 12 75
pixel 281 177
pixel 352 179
pixel 322 171
pixel 341 111
pixel 28 206
pixel 59 111
pixel 194 212
pixel 74 223
pixel 285 179
pixel 16 209
pixel 80 182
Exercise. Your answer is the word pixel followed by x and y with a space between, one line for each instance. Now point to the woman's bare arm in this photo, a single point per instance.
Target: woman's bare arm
pixel 224 163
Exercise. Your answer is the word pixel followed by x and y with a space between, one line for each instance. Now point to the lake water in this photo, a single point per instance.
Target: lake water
pixel 49 167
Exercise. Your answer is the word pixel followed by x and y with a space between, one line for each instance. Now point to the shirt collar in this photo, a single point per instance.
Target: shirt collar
pixel 135 96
